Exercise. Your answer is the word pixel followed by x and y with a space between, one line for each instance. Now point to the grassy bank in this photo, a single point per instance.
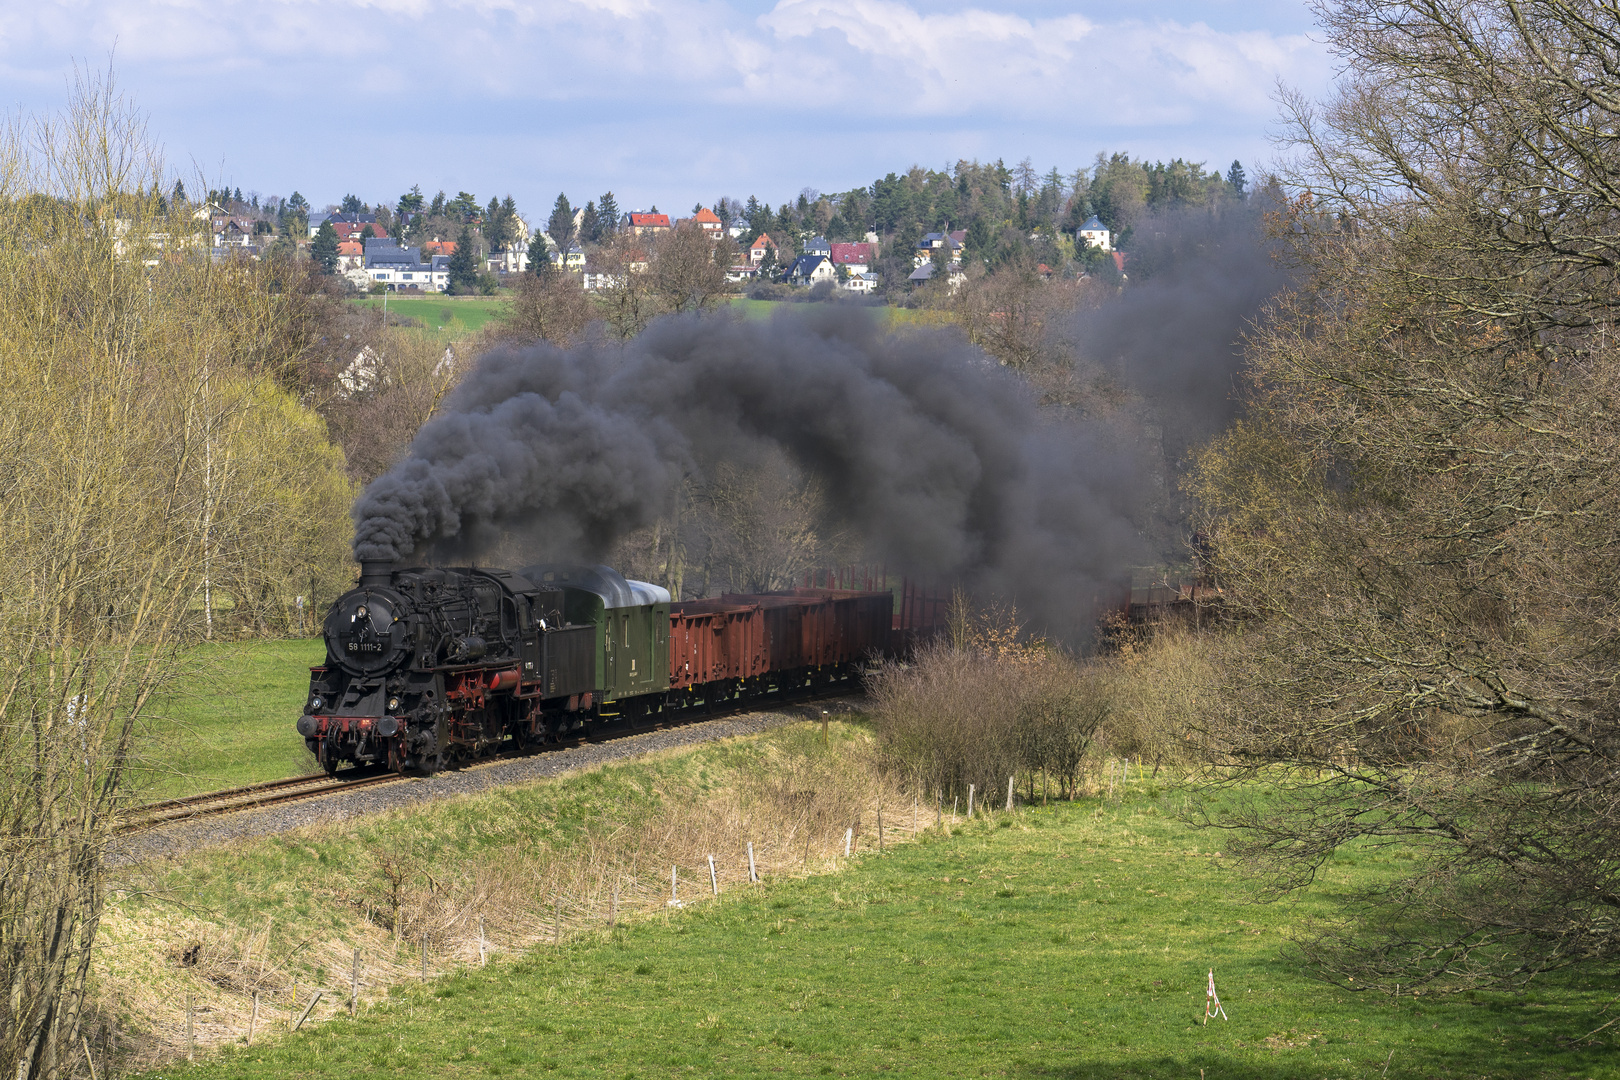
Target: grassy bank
pixel 230 720
pixel 1070 940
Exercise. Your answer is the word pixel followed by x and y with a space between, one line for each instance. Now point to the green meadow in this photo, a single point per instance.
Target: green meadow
pixel 229 719
pixel 452 314
pixel 1064 941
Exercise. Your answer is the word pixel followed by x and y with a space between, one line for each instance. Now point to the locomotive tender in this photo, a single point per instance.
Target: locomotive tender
pixel 428 666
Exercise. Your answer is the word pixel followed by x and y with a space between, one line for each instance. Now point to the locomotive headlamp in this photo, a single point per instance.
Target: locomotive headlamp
pixel 315 704
pixel 393 703
pixel 360 612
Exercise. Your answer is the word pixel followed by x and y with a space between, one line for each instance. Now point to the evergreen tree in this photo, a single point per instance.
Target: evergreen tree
pixel 539 257
pixel 463 266
pixel 367 233
pixel 237 196
pixel 561 225
pixel 1235 179
pixel 351 205
pixel 410 202
pixel 590 225
pixel 607 213
pixel 324 248
pixel 437 209
pixel 179 195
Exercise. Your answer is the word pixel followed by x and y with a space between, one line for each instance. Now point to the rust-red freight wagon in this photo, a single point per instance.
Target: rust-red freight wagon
pixel 715 640
pixel 864 621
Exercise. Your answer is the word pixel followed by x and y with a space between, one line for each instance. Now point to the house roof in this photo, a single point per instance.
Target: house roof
pixel 805 265
pixel 764 241
pixel 922 273
pixel 851 253
pixel 705 216
pixel 649 221
pixel 350 219
pixel 818 245
pixel 440 247
pixel 350 247
pixel 1094 224
pixel 393 255
pixel 943 239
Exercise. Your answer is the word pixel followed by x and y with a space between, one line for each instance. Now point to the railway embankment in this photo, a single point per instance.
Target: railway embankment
pixel 451 872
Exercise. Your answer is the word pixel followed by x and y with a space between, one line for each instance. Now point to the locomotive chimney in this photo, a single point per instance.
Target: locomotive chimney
pixel 375 571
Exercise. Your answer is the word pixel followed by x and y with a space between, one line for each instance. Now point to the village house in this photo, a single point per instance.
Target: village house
pixel 351 256
pixel 811 269
pixel 854 258
pixel 863 283
pixel 1094 234
pixel 359 221
pixel 925 273
pixel 397 268
pixel 641 224
pixel 952 242
pixel 817 245
pixel 574 261
pixel 707 221
pixel 760 247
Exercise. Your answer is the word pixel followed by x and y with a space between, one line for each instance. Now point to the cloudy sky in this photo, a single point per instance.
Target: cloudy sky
pixel 666 102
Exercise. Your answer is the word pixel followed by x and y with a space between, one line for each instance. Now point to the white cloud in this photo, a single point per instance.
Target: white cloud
pixel 280 86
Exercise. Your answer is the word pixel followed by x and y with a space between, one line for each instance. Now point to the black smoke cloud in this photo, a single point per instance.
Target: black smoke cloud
pixel 938 459
pixel 1198 280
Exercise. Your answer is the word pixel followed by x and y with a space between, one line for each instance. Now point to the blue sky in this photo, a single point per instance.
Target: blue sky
pixel 666 102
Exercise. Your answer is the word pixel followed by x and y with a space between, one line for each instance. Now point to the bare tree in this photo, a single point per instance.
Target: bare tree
pixel 1418 519
pixel 136 397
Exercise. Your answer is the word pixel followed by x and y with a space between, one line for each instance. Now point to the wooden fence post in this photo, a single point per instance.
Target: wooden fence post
pixel 424 958
pixel 307 1009
pixel 253 1020
pixel 1009 792
pixel 480 941
pixel 880 830
pixel 191 1034
pixel 613 911
pixel 714 880
pixel 753 874
pixel 849 837
pixel 354 983
pixel 970 802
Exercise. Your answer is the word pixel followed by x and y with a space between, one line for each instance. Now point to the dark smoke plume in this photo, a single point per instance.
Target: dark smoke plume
pixel 937 458
pixel 1198 279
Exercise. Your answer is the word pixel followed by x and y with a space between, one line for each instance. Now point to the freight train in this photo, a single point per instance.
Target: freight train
pixel 430 666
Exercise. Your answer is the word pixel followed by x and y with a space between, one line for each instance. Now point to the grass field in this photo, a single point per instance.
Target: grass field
pixel 452 314
pixel 1069 941
pixel 230 721
pixel 764 309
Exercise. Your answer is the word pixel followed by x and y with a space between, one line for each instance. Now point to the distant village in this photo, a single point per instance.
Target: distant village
pixel 859 243
pixel 371 260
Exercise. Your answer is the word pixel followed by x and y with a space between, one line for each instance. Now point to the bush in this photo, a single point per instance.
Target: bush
pixel 956 716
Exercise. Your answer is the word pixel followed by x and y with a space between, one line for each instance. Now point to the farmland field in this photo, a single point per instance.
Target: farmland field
pixel 452 314
pixel 1063 941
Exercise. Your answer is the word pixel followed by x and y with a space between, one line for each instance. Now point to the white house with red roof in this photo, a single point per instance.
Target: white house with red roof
pixel 856 258
pixel 758 249
pixel 709 222
pixel 641 224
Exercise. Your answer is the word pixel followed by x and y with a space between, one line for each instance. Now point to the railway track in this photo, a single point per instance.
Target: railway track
pixel 296 788
pixel 250 797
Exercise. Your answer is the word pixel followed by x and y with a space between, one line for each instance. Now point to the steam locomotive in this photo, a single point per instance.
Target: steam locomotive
pixel 430 666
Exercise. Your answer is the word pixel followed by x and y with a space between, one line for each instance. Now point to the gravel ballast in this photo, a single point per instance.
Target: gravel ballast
pixel 183 837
